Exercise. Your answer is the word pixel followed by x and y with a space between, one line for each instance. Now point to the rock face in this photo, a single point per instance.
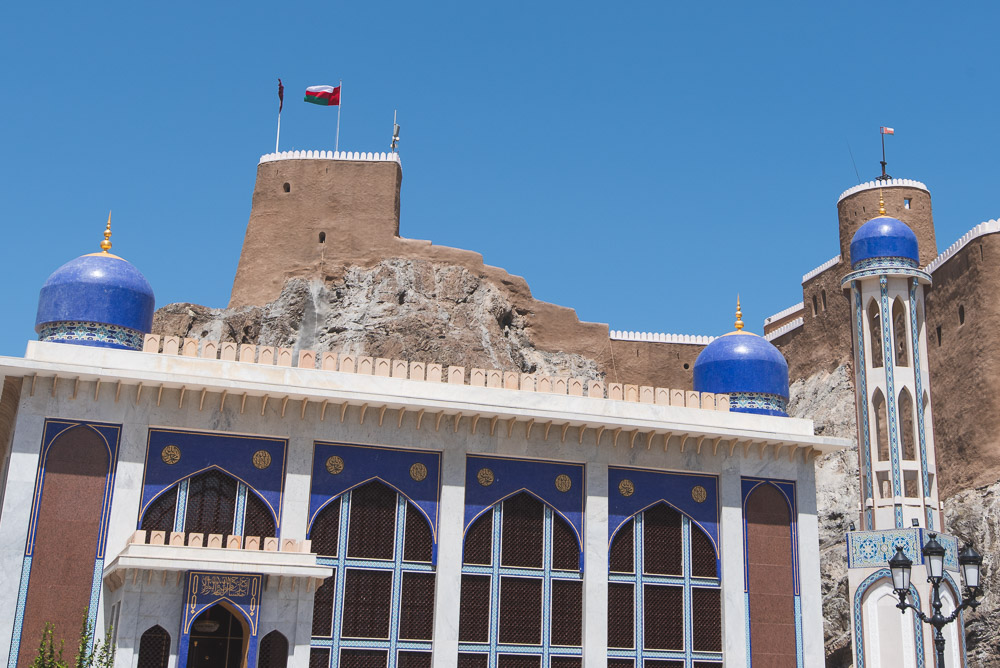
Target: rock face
pixel 402 309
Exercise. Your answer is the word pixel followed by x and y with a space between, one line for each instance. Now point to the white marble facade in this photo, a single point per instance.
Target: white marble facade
pixel 731 446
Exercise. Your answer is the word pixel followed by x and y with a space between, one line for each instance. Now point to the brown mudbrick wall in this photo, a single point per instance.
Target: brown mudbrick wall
pixel 66 534
pixel 859 208
pixel 769 565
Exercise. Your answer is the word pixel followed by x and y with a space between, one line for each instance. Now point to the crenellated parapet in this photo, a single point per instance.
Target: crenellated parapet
pixel 660 337
pixel 360 156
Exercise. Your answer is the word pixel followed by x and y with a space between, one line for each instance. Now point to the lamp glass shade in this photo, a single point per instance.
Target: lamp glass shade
pixel 900 567
pixel 970 561
pixel 934 557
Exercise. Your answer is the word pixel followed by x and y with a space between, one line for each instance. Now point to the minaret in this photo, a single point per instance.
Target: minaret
pixel 895 431
pixel 899 499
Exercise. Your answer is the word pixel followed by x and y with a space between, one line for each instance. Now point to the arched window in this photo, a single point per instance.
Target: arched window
pixel 881 426
pixel 154 648
pixel 663 566
pixel 900 345
pixel 273 651
pixel 906 435
pixel 518 554
pixel 380 546
pixel 875 334
pixel 208 503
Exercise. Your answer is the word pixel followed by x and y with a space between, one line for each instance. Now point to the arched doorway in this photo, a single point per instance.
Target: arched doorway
pixel 218 639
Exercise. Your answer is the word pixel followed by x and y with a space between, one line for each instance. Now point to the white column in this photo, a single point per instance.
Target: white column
pixel 595 568
pixel 295 501
pixel 733 594
pixel 448 582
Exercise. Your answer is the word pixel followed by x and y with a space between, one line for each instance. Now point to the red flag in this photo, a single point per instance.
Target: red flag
pixel 281 96
pixel 327 96
pixel 886 131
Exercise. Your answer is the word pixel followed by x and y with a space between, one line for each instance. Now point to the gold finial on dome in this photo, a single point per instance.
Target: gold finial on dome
pixel 106 244
pixel 739 314
pixel 881 203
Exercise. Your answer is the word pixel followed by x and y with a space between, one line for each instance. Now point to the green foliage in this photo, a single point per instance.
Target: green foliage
pixel 50 656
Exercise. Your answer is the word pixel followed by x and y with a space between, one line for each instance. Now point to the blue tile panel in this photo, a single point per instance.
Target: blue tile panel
pixel 201 451
pixel 884 237
pixel 99 288
pixel 741 362
pixel 511 475
pixel 859 629
pixel 342 563
pixel 871 549
pixel 760 404
pixel 392 466
pixel 889 363
pixel 203 589
pixel 639 578
pixel 98 335
pixel 915 337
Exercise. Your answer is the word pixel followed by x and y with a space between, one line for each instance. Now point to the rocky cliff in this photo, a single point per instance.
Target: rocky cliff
pixel 414 309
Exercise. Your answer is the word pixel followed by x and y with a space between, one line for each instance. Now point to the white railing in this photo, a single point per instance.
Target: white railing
pixel 784 329
pixel 784 314
pixel 330 155
pixel 989 227
pixel 891 183
pixel 660 337
pixel 820 269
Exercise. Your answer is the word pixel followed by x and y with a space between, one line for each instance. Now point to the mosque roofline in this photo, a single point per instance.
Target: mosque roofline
pixel 891 183
pixel 646 423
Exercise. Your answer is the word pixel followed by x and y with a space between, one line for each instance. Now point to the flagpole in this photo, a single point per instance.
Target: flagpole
pixel 340 103
pixel 278 136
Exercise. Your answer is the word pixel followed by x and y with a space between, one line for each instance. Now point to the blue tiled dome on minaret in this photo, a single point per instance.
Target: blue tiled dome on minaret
pixel 884 241
pixel 97 299
pixel 747 368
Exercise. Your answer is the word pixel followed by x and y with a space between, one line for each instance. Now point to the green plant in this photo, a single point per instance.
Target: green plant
pixel 48 656
pixel 102 655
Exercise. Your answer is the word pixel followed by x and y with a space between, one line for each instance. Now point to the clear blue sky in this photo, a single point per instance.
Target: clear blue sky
pixel 640 163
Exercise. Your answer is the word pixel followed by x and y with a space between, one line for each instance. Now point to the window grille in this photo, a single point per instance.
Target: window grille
pixel 159 515
pixel 273 651
pixel 319 657
pixel 258 521
pixel 522 604
pixel 154 648
pixel 665 609
pixel 376 610
pixel 211 503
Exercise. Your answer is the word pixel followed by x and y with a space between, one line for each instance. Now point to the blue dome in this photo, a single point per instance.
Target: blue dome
pixel 749 369
pixel 96 300
pixel 884 237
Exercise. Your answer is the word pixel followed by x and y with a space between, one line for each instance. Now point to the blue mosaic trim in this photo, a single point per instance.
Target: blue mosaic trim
pixel 861 373
pixel 922 434
pixel 241 509
pixel 747 402
pixel 960 621
pixel 95 596
pixel 799 652
pixel 871 549
pixel 22 599
pixel 180 510
pixel 886 271
pixel 546 574
pixel 746 628
pixel 639 578
pixel 859 630
pixel 885 262
pixel 341 563
pixel 889 362
pixel 95 333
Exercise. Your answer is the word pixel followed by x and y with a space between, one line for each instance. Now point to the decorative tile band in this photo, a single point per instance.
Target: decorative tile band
pixel 886 271
pixel 758 402
pixel 887 262
pixel 91 333
pixel 872 549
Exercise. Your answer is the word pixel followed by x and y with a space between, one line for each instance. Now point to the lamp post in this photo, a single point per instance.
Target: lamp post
pixel 970 562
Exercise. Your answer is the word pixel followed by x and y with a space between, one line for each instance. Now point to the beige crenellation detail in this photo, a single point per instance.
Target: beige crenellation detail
pixel 434 373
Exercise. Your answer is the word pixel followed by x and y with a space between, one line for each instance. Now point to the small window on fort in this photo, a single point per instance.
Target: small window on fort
pixel 939 335
pixel 287 188
pixel 906 202
pixel 814 306
pixel 961 315
pixel 322 237
pixel 823 295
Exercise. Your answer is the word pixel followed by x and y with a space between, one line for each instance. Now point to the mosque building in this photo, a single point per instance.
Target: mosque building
pixel 219 504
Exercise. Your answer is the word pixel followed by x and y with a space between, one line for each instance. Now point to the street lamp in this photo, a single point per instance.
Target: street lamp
pixel 970 562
